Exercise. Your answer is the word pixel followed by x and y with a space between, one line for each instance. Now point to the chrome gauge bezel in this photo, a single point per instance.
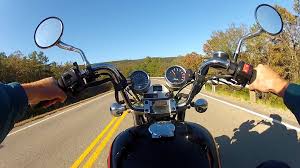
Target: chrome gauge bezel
pixel 144 89
pixel 175 85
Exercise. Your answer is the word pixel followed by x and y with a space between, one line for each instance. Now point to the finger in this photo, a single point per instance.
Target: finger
pixel 251 87
pixel 62 97
pixel 50 103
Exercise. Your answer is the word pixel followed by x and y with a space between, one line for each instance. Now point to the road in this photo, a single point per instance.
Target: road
pixel 58 140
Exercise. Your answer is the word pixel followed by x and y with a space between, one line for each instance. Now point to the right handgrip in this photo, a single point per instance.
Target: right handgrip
pixel 253 76
pixel 252 79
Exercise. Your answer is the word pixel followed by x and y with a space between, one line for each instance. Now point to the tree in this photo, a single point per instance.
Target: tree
pixel 191 61
pixel 296 6
pixel 225 41
pixel 3 55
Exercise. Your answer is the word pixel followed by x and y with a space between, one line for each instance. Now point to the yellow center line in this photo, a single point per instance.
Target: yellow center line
pixel 102 145
pixel 93 144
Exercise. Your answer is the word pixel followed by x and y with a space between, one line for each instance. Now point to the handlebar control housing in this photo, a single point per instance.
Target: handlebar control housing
pixel 243 73
pixel 72 81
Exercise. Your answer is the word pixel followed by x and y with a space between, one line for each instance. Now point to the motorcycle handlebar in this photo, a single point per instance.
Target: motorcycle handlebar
pixel 70 79
pixel 118 79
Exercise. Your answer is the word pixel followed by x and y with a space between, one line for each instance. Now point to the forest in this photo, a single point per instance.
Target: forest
pixel 281 52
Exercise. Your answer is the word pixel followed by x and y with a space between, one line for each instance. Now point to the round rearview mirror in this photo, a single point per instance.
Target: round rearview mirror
pixel 268 19
pixel 48 32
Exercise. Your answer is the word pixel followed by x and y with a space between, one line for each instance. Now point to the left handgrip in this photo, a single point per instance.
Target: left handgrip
pixel 61 84
pixel 70 82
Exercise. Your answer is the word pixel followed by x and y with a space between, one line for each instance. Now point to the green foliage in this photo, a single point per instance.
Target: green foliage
pixel 240 94
pixel 153 66
pixel 225 41
pixel 268 99
pixel 156 67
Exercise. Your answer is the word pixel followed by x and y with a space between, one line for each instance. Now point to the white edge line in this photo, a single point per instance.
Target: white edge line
pixel 255 113
pixel 251 112
pixel 67 110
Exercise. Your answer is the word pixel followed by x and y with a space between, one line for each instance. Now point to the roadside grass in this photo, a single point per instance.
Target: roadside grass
pixel 267 99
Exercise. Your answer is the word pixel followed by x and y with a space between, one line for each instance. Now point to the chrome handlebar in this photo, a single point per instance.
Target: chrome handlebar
pixel 213 62
pixel 112 70
pixel 216 62
pixel 118 79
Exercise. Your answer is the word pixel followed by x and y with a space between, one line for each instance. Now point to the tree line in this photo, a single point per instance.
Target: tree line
pixel 27 68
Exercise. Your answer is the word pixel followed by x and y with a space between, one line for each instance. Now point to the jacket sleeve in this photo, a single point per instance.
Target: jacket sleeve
pixel 292 99
pixel 13 105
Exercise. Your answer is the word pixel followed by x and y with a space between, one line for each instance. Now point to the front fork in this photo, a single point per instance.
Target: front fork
pixel 138 119
pixel 181 116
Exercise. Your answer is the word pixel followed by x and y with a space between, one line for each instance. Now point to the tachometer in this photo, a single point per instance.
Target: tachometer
pixel 140 81
pixel 175 76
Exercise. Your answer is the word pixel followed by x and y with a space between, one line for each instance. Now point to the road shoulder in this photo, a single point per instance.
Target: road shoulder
pixel 286 115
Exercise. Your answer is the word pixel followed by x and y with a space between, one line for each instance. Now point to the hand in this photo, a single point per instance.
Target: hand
pixel 45 89
pixel 268 81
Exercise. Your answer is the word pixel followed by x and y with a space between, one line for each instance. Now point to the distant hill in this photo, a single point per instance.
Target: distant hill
pixel 155 66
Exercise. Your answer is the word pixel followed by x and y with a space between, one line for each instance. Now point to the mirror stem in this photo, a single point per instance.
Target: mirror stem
pixel 65 46
pixel 247 36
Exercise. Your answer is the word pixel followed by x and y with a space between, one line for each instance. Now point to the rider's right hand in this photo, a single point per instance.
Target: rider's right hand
pixel 268 81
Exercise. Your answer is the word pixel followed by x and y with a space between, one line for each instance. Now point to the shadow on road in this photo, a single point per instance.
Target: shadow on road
pixel 249 146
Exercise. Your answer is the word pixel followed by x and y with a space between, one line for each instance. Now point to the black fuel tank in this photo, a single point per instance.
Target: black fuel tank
pixel 192 146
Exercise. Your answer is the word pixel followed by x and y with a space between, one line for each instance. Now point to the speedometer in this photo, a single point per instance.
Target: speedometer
pixel 175 76
pixel 140 81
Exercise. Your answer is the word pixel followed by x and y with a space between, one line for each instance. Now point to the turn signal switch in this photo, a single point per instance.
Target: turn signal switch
pixel 117 109
pixel 200 105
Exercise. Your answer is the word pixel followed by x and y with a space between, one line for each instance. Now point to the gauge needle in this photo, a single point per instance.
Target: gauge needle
pixel 174 73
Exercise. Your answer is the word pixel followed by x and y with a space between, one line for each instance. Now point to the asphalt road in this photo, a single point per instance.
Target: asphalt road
pixel 58 140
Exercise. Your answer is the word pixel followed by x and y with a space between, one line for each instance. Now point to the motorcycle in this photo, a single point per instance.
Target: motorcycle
pixel 160 136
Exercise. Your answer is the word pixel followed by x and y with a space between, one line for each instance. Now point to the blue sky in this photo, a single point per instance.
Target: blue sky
pixel 123 29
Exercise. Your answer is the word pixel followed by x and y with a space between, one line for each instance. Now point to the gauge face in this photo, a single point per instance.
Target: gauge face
pixel 140 81
pixel 175 76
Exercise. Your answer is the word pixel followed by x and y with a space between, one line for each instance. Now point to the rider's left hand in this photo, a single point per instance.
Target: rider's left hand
pixel 42 90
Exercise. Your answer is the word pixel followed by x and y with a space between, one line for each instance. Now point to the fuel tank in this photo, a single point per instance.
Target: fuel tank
pixel 192 146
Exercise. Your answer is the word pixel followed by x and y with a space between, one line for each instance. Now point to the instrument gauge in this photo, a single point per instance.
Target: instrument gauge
pixel 140 81
pixel 175 76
